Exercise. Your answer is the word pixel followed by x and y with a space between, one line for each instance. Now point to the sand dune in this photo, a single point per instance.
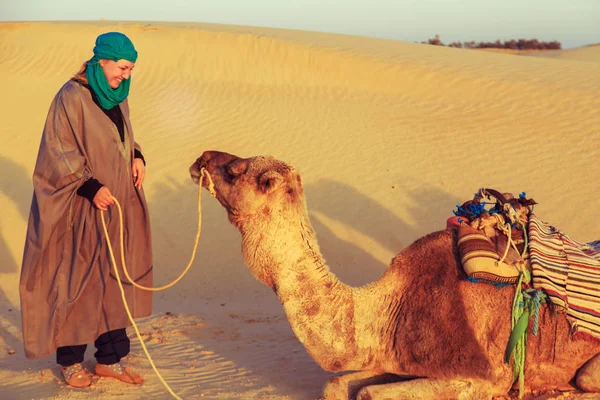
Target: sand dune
pixel 388 135
pixel 589 53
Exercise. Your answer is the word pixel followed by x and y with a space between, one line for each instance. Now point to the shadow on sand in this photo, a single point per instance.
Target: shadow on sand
pixel 15 183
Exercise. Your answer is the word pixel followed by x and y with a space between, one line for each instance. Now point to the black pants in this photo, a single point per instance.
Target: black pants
pixel 111 346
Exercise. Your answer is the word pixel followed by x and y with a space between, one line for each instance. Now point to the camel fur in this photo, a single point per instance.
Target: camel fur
pixel 421 331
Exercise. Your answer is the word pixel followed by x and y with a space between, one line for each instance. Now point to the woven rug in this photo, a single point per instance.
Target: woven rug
pixel 569 273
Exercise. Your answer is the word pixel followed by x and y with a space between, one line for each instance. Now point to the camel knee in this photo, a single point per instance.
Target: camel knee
pixel 588 376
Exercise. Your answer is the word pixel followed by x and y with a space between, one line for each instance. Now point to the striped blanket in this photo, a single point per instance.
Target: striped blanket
pixel 569 272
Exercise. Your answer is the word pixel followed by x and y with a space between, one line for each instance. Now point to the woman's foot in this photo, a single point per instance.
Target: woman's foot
pixel 118 371
pixel 76 376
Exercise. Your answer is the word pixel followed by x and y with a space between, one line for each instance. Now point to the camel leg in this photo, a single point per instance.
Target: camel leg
pixel 345 387
pixel 424 388
pixel 588 376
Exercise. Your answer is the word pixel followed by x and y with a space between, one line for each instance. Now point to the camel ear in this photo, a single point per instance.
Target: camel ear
pixel 269 181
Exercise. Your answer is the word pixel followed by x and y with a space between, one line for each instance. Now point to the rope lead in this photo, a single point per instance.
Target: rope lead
pixel 203 174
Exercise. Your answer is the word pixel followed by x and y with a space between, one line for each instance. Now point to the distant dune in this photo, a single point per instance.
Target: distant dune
pixel 589 53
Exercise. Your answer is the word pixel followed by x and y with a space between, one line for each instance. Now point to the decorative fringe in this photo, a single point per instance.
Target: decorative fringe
pixel 499 285
pixel 526 302
pixel 519 350
pixel 471 209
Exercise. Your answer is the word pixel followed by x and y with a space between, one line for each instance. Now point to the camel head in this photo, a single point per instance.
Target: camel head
pixel 258 188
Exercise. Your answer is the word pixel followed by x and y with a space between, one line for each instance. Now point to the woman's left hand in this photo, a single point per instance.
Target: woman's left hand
pixel 139 172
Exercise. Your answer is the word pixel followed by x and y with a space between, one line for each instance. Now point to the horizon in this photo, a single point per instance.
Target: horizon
pixel 573 24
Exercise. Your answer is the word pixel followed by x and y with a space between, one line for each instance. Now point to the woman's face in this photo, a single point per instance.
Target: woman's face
pixel 116 71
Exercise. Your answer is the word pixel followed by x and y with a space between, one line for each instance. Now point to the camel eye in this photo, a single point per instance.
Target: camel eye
pixel 230 170
pixel 236 168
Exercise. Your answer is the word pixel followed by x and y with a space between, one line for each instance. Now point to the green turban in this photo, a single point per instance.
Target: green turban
pixel 111 46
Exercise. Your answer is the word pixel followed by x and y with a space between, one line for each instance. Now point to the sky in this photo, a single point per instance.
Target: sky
pixel 574 23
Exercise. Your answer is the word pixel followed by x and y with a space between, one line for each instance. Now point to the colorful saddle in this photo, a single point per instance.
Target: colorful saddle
pixel 491 236
pixel 497 243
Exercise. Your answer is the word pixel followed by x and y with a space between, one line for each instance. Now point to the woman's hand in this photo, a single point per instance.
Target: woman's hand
pixel 103 198
pixel 139 172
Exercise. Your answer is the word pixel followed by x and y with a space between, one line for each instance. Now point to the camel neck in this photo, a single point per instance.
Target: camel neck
pixel 332 320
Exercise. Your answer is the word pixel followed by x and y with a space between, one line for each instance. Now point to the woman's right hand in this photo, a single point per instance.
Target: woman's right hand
pixel 103 199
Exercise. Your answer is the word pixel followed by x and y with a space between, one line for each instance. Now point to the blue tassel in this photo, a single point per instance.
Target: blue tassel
pixel 472 209
pixel 499 285
pixel 536 305
pixel 534 299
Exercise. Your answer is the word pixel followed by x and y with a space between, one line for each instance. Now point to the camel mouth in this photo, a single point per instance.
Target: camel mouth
pixel 195 169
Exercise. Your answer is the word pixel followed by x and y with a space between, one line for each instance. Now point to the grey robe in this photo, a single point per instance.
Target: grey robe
pixel 69 295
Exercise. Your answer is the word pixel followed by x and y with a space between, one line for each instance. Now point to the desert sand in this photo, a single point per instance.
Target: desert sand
pixel 389 137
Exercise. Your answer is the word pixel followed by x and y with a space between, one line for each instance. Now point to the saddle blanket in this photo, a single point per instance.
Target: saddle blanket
pixel 569 272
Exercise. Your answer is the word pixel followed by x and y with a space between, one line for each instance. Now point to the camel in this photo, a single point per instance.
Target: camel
pixel 421 331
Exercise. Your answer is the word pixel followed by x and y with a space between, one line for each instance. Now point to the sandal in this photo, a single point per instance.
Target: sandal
pixel 76 375
pixel 118 371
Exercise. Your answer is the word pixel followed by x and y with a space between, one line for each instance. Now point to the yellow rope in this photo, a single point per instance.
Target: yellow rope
pixel 524 238
pixel 506 229
pixel 203 173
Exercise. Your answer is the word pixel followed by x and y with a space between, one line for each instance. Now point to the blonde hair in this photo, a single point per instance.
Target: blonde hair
pixel 80 75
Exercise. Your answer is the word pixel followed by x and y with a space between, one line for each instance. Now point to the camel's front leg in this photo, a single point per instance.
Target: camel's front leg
pixel 345 387
pixel 588 376
pixel 425 388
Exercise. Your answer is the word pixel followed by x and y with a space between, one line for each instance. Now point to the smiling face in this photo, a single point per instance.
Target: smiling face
pixel 116 71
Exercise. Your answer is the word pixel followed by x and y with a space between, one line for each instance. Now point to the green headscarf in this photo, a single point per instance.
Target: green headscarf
pixel 111 46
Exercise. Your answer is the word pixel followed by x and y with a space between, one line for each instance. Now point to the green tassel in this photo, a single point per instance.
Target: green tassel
pixel 517 334
pixel 518 337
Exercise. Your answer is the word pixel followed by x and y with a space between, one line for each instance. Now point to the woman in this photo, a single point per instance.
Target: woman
pixel 69 293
